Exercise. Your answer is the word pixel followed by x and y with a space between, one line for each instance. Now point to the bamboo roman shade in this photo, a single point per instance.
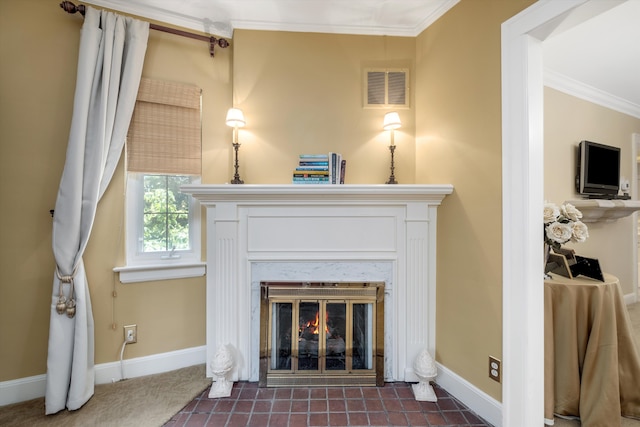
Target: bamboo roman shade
pixel 165 131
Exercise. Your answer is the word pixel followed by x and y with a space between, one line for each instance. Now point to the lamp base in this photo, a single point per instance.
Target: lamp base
pixel 236 176
pixel 392 177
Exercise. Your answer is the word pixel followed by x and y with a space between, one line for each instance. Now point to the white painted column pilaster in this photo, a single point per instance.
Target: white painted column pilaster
pixel 222 282
pixel 420 255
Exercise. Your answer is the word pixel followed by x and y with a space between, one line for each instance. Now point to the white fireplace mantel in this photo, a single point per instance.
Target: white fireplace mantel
pixel 321 233
pixel 269 194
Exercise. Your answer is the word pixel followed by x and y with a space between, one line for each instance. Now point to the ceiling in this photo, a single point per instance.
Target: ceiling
pixel 220 17
pixel 599 57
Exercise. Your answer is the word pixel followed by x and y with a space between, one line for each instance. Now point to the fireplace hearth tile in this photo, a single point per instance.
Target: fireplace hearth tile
pixel 318 419
pixel 218 419
pixel 447 404
pixel 277 420
pixel 301 393
pixel 392 405
pixel 335 393
pixel 262 406
pixel 258 420
pixel 352 393
pixel 266 393
pixel 318 406
pixel 397 419
pixel 325 406
pixel 337 406
pixel 454 417
pixel 373 405
pixel 298 420
pixel 238 420
pixel 338 419
pixel 355 405
pixel 358 418
pixel 378 419
pixel 283 393
pixel 411 405
pixel 436 419
pixel 300 406
pixel 281 406
pixel 243 406
pixel 224 405
pixel 318 393
pixel 405 393
pixel 416 419
pixel 371 392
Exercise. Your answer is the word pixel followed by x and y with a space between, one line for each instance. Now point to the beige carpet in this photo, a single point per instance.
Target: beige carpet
pixel 138 402
pixel 634 314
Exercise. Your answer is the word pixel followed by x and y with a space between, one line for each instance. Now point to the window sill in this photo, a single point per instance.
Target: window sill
pixel 149 273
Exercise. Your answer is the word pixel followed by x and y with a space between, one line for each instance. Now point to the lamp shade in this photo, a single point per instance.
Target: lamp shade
pixel 235 118
pixel 391 121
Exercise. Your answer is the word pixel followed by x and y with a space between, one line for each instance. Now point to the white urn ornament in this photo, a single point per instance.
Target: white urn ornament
pixel 221 365
pixel 425 369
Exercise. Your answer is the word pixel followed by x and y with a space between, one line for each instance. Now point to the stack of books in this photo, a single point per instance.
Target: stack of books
pixel 319 169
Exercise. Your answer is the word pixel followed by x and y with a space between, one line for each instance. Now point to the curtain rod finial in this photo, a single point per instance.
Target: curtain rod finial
pixel 69 7
pixel 220 42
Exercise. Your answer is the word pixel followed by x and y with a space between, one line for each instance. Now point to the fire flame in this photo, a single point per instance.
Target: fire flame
pixel 313 324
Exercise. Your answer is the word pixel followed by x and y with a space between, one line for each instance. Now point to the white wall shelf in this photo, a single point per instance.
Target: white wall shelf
pixel 601 210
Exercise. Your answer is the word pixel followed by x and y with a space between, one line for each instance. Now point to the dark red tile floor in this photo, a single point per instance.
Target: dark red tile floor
pixel 391 405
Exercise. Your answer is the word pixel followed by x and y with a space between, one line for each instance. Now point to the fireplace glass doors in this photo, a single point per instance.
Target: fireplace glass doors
pixel 321 334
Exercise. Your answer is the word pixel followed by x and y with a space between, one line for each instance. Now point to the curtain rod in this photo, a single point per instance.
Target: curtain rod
pixel 71 8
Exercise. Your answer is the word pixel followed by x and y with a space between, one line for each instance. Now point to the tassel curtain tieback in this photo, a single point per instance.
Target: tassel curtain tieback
pixel 65 305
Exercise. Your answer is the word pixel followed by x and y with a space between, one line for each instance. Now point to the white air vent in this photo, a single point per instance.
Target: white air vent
pixel 386 88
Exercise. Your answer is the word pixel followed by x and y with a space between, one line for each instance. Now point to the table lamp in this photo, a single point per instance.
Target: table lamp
pixel 391 123
pixel 235 119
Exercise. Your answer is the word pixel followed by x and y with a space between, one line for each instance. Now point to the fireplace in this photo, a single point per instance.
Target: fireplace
pixel 319 333
pixel 337 234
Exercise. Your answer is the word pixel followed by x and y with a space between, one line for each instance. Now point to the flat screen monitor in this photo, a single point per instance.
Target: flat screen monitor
pixel 598 169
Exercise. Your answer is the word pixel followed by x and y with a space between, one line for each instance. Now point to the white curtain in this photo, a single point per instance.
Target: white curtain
pixel 112 50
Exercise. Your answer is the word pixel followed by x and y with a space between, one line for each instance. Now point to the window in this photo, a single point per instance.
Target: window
pixel 163 224
pixel 163 153
pixel 165 215
pixel 386 88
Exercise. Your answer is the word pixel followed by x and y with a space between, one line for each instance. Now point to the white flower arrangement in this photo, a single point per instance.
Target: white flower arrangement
pixel 562 224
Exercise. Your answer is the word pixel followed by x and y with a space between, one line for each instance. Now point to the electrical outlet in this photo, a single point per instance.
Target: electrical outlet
pixel 131 334
pixel 495 370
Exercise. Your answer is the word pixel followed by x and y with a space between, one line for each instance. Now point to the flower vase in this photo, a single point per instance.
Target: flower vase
pixel 545 257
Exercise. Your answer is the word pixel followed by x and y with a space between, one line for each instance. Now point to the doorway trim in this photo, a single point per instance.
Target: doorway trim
pixel 522 205
pixel 635 151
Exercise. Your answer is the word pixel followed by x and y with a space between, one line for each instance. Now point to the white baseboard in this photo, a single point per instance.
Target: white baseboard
pixel 630 298
pixel 28 388
pixel 24 389
pixel 475 399
pixel 148 365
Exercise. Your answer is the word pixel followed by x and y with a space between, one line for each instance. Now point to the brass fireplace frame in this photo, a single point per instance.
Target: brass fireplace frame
pixel 322 292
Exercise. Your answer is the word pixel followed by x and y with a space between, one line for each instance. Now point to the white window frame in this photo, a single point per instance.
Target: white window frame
pixel 161 265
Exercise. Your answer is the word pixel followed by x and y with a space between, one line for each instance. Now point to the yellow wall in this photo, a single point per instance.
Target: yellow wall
pixel 458 141
pixel 39 48
pixel 611 242
pixel 300 92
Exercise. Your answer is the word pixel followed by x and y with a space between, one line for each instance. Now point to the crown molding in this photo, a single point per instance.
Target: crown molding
pixel 226 28
pixel 589 93
pixel 146 11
